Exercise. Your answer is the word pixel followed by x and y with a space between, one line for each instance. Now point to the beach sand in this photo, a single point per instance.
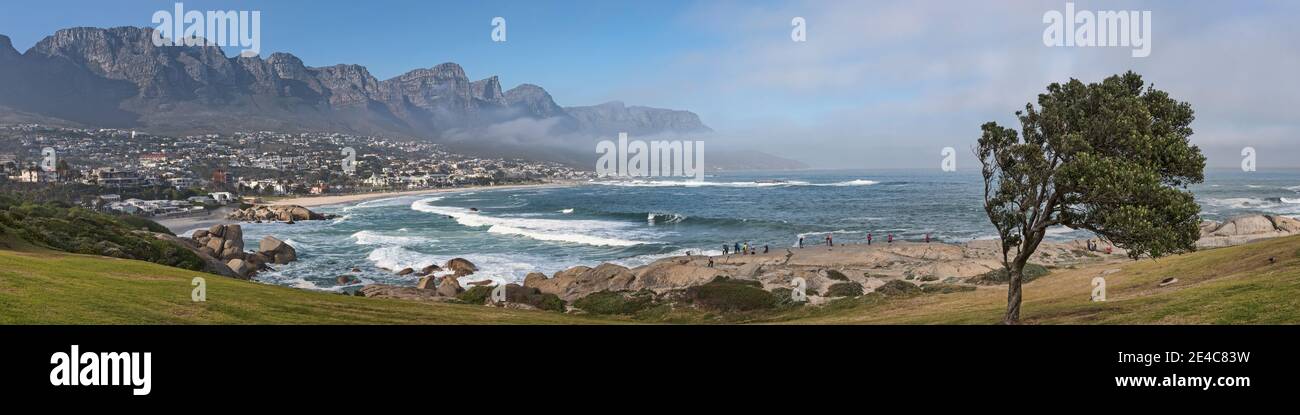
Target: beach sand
pixel 182 226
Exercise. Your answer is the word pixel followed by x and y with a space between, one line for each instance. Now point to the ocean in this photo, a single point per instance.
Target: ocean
pixel 509 233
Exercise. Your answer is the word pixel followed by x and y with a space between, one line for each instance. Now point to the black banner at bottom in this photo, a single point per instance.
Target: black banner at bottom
pixel 323 364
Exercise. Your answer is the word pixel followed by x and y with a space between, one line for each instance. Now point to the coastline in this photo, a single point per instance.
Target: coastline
pixel 218 216
pixel 329 200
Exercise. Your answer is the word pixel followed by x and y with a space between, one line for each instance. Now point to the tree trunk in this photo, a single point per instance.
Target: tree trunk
pixel 1016 276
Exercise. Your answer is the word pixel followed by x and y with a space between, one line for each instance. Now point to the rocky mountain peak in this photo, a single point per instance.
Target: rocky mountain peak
pixel 7 50
pixel 487 89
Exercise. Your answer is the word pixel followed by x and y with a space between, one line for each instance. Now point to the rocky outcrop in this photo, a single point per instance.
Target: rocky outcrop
pixel 460 266
pixel 277 251
pixel 211 264
pixel 222 248
pixel 281 213
pixel 580 281
pixel 1245 229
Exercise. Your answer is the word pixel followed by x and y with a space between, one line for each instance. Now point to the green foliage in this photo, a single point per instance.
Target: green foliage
pixel 726 294
pixel 836 275
pixel 478 294
pixel 608 302
pixel 515 293
pixel 1000 276
pixel 146 224
pixel 844 289
pixel 1110 157
pixel 895 288
pixel 74 229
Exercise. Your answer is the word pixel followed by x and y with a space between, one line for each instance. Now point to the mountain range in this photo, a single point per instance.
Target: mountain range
pixel 117 77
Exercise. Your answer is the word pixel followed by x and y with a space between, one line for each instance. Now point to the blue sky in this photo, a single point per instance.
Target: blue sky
pixel 877 84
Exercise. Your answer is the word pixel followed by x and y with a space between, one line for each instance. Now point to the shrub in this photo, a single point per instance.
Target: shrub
pixel 726 294
pixel 1000 276
pixel 515 294
pixel 475 295
pixel 609 302
pixel 142 223
pixel 836 275
pixel 844 289
pixel 73 229
pixel 898 288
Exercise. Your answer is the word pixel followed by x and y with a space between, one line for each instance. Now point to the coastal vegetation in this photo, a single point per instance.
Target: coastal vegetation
pixel 68 228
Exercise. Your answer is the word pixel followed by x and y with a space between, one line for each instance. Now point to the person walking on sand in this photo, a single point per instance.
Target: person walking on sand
pixel 927 237
pixel 868 238
pixel 737 248
pixel 724 249
pixel 801 242
pixel 765 248
pixel 829 242
pixel 891 238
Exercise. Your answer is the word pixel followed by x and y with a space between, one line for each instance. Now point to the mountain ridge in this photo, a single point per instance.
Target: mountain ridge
pixel 122 80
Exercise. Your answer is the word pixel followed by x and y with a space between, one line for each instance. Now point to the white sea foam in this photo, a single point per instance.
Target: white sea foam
pixel 389 201
pixel 375 238
pixel 754 184
pixel 587 232
pixel 1290 200
pixel 566 211
pixel 397 257
pixel 654 218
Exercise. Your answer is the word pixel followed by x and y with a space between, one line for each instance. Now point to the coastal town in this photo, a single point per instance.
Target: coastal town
pixel 142 174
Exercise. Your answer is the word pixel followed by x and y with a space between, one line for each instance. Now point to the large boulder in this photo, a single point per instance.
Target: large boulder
pixel 240 268
pixel 449 287
pixel 578 282
pixel 428 282
pixel 663 276
pixel 278 251
pixel 1246 225
pixel 460 266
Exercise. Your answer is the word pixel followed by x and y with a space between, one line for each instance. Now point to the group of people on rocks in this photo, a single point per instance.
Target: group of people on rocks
pixel 745 249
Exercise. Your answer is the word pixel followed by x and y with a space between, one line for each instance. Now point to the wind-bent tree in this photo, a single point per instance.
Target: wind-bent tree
pixel 1111 157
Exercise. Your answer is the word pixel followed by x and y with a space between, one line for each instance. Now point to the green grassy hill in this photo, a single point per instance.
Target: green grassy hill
pixel 1224 286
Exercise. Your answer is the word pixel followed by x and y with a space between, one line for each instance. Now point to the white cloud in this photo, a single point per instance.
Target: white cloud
pixel 880 84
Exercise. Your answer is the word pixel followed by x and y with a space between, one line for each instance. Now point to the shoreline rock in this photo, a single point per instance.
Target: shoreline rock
pixel 277 213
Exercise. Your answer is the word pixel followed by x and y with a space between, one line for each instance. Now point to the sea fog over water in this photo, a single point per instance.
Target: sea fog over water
pixel 548 229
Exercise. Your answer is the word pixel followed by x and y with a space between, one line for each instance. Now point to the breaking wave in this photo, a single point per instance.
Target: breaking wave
pixel 587 232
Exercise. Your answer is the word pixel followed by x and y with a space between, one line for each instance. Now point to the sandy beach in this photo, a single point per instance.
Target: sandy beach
pixel 312 201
